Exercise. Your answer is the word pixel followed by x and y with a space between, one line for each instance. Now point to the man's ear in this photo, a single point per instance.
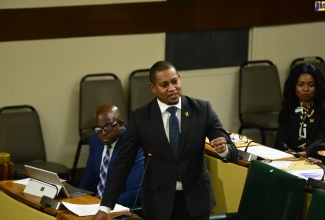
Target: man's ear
pixel 152 87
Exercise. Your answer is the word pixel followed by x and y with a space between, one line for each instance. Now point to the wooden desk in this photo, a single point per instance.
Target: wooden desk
pixel 228 181
pixel 15 204
pixel 70 216
pixel 11 208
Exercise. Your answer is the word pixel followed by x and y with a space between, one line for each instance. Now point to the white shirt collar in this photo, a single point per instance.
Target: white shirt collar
pixel 164 106
pixel 112 145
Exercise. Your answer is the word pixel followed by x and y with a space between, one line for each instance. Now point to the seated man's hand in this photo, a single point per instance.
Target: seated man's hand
pixel 100 216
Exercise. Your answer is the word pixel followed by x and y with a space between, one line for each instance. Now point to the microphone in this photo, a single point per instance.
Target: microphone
pixel 249 144
pixel 144 172
pixel 310 181
pixel 246 155
pixel 127 217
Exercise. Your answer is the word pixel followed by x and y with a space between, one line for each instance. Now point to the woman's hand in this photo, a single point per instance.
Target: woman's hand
pixel 315 161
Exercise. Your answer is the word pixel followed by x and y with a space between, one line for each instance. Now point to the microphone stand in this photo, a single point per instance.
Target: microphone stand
pixel 311 182
pixel 144 172
pixel 246 155
pixel 127 217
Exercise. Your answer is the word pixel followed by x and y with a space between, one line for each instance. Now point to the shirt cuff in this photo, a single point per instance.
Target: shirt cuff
pixel 225 153
pixel 104 209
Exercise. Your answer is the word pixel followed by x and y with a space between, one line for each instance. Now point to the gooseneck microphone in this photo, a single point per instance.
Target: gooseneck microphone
pixel 310 182
pixel 248 145
pixel 246 155
pixel 127 217
pixel 144 172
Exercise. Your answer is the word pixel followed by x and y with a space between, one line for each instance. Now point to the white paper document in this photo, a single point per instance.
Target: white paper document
pixel 281 164
pixel 267 152
pixel 91 209
pixel 26 180
pixel 305 174
pixel 236 138
pixel 22 181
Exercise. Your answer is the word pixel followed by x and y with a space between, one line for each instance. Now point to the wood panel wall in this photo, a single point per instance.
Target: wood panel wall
pixel 151 17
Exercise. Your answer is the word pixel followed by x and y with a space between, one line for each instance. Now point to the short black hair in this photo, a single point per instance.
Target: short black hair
pixel 158 67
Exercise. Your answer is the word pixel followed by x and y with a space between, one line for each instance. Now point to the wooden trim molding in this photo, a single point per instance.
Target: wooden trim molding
pixel 151 17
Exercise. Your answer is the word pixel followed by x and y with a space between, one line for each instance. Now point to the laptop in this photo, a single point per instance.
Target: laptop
pixel 48 181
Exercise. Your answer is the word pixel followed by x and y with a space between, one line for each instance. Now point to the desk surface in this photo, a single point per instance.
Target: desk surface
pixel 15 192
pixel 297 163
pixel 228 198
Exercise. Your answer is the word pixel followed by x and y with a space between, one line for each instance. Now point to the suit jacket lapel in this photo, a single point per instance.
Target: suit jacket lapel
pixel 185 124
pixel 157 124
pixel 98 158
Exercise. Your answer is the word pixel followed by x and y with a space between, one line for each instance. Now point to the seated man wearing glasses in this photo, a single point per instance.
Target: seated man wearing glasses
pixel 104 146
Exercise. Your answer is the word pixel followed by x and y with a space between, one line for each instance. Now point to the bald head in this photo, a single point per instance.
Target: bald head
pixel 109 123
pixel 109 112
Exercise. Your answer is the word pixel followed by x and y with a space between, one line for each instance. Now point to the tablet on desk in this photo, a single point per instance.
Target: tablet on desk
pixel 44 182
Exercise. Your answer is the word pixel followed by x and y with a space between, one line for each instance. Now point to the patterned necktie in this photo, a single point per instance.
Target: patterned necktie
pixel 103 174
pixel 173 129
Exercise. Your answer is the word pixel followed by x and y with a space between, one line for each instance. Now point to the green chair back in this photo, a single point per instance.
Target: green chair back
pixel 316 208
pixel 270 193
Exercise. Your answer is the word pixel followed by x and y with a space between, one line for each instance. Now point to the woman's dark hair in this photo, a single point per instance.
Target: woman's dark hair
pixel 290 99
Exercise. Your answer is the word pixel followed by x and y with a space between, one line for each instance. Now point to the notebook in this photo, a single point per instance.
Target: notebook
pixel 53 180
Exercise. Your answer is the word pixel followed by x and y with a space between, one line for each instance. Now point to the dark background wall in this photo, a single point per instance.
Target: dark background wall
pixel 151 17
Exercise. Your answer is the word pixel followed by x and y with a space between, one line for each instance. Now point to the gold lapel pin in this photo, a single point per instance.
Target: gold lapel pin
pixel 187 114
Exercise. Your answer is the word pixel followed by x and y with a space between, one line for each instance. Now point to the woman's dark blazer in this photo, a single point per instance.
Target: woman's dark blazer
pixel 289 124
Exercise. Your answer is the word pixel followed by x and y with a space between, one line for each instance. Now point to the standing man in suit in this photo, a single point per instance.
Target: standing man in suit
pixel 107 139
pixel 176 183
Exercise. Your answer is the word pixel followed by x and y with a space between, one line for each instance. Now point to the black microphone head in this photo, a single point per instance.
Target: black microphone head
pixel 284 146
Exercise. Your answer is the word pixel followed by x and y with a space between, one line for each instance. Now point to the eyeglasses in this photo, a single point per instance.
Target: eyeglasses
pixel 106 128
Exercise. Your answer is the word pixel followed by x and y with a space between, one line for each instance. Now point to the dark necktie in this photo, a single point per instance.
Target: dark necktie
pixel 173 129
pixel 103 174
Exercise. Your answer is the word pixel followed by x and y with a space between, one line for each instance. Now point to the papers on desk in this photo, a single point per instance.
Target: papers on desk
pixel 305 174
pixel 26 180
pixel 236 138
pixel 283 165
pixel 267 152
pixel 91 209
pixel 81 210
pixel 22 181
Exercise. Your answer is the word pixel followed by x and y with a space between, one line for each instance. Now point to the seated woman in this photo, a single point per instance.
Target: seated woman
pixel 302 118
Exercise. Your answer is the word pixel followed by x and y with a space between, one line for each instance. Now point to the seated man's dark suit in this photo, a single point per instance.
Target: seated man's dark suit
pixel 91 175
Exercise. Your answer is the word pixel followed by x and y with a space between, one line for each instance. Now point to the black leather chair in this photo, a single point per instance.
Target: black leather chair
pixel 269 193
pixel 21 136
pixel 139 90
pixel 260 97
pixel 317 61
pixel 96 90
